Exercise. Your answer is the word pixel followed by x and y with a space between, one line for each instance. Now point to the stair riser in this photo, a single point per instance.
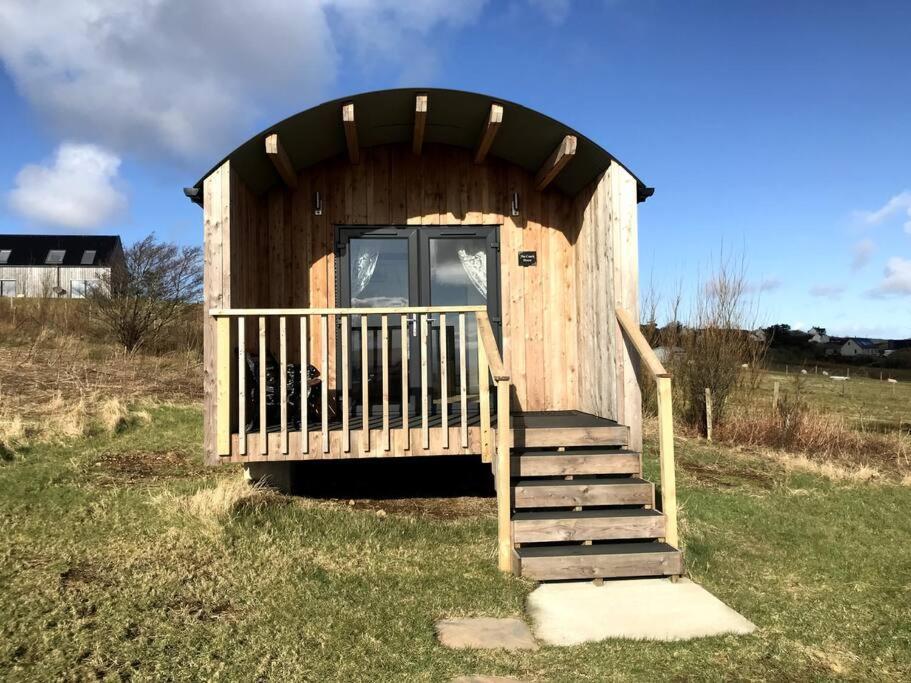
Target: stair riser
pixel 550 465
pixel 570 496
pixel 597 529
pixel 608 566
pixel 568 437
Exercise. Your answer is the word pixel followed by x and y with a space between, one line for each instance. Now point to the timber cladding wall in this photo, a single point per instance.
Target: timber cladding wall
pixel 559 333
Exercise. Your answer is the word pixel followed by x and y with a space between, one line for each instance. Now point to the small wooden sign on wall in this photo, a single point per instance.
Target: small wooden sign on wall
pixel 528 258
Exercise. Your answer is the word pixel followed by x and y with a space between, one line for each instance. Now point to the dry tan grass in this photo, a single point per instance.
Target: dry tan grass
pixel 212 507
pixel 826 439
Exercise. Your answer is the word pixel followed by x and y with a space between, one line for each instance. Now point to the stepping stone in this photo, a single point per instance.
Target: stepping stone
pixel 485 633
pixel 638 609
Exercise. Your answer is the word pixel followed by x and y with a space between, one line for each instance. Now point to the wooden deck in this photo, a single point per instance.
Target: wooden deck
pixel 538 429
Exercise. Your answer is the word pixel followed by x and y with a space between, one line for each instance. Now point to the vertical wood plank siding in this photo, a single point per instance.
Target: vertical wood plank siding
pixel 559 336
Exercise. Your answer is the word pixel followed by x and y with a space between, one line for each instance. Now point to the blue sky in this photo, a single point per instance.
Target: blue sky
pixel 778 131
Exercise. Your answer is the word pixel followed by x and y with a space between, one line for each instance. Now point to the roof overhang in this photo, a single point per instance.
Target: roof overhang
pixel 526 137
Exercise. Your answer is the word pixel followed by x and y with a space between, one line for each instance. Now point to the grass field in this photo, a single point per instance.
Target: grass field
pixel 122 557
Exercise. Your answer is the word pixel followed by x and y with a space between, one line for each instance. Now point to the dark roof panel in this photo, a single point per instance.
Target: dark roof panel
pixel 526 137
pixel 33 250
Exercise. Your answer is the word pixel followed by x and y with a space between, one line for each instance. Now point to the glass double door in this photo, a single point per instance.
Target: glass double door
pixel 389 267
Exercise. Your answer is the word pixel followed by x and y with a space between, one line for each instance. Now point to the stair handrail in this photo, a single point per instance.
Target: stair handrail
pixel 500 375
pixel 630 326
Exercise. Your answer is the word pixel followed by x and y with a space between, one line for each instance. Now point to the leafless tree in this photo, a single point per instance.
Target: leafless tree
pixel 152 290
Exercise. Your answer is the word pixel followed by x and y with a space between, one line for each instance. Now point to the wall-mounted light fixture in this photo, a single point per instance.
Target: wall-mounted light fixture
pixel 514 209
pixel 317 205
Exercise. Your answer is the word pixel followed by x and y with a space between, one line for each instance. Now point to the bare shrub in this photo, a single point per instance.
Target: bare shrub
pixel 153 290
pixel 711 348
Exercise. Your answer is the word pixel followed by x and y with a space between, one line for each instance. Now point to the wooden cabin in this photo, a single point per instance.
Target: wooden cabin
pixel 462 272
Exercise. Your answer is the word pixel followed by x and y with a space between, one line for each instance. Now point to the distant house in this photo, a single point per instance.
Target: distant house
pixel 56 266
pixel 860 346
pixel 818 335
pixel 758 335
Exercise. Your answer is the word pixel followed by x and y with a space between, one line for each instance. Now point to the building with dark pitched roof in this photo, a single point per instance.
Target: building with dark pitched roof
pixel 56 265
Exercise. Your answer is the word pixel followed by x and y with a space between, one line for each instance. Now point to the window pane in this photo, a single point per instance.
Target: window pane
pixel 379 272
pixel 4 255
pixel 458 271
pixel 88 257
pixel 7 288
pixel 55 256
pixel 77 289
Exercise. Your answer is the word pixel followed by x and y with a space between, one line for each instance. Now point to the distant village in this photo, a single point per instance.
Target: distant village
pixel 820 344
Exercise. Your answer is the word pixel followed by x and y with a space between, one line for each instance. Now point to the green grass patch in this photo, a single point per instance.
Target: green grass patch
pixel 110 569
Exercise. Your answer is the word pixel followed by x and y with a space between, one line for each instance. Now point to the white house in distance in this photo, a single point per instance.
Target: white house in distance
pixel 859 347
pixel 56 266
pixel 818 336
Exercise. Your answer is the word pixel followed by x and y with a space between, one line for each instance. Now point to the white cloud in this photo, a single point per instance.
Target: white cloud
pixel 899 204
pixel 769 284
pixel 76 190
pixel 862 251
pixel 896 278
pixel 555 11
pixel 189 79
pixel 827 291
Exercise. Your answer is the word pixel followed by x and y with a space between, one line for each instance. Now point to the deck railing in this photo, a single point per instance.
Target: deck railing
pixel 263 330
pixel 662 377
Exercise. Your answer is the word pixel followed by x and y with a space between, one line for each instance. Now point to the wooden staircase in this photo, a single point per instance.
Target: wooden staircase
pixel 580 510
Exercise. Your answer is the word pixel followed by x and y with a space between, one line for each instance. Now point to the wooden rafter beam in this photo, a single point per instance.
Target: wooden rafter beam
pixel 280 160
pixel 420 121
pixel 354 153
pixel 489 132
pixel 551 168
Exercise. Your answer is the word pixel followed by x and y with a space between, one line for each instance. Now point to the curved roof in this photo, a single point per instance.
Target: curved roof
pixel 526 137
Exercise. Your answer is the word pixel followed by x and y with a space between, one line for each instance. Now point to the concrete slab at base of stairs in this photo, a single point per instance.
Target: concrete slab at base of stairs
pixel 638 609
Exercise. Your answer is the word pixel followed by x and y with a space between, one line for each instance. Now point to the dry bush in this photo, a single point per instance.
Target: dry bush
pixel 823 437
pixel 711 348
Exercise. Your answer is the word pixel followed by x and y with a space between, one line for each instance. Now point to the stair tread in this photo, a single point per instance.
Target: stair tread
pixel 595 549
pixel 575 453
pixel 585 514
pixel 581 481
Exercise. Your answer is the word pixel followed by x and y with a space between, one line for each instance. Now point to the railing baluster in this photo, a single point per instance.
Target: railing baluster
pixel 283 380
pixel 503 477
pixel 305 386
pixel 385 348
pixel 425 395
pixel 406 425
pixel 241 387
pixel 463 381
pixel 324 380
pixel 263 435
pixel 365 390
pixel 222 415
pixel 444 379
pixel 484 400
pixel 346 373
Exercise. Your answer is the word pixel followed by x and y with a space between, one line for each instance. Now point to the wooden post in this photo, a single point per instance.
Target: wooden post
pixel 775 395
pixel 263 418
pixel 241 387
pixel 223 386
pixel 503 480
pixel 708 413
pixel 666 459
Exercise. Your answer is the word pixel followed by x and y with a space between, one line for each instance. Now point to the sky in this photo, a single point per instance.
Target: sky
pixel 776 133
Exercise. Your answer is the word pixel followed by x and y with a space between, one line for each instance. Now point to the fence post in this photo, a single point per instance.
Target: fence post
pixel 775 395
pixel 708 414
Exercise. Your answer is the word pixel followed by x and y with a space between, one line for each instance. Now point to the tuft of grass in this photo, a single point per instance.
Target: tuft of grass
pixel 214 506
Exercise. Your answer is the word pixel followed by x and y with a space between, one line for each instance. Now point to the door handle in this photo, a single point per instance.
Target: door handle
pixel 413 321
